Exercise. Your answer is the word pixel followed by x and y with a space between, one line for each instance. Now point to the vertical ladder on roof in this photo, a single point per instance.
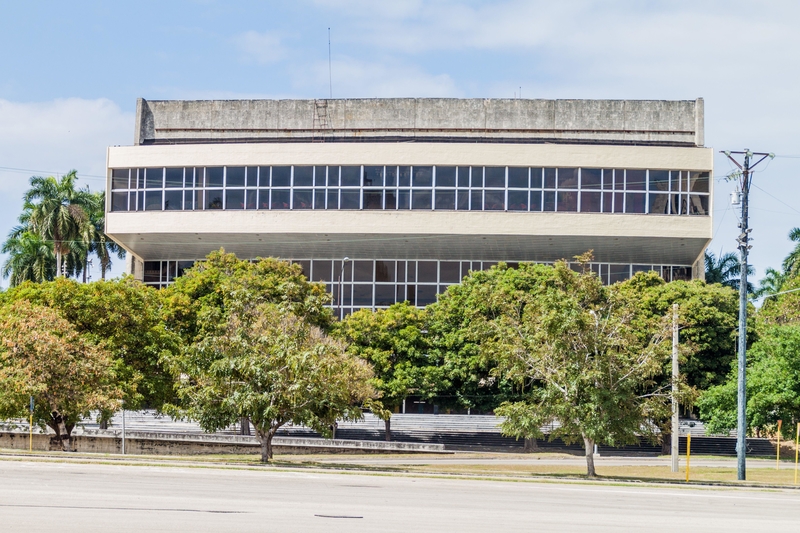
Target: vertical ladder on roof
pixel 321 123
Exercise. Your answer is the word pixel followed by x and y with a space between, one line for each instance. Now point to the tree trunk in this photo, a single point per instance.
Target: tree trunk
pixel 388 429
pixel 265 437
pixel 333 431
pixel 666 443
pixel 244 426
pixel 62 437
pixel 85 266
pixel 589 446
pixel 531 446
pixel 58 261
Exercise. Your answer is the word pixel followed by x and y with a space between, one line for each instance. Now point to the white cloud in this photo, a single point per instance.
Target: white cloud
pixel 55 137
pixel 263 48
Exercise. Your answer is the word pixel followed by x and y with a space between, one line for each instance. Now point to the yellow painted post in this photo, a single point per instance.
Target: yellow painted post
pixel 688 453
pixel 778 454
pixel 796 448
pixel 30 436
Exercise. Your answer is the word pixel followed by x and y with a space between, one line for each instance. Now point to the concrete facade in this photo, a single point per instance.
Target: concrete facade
pixel 612 140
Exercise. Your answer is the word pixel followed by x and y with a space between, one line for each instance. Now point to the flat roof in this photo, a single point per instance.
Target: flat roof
pixel 625 122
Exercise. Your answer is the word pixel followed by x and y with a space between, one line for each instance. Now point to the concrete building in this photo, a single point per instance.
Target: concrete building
pixel 414 191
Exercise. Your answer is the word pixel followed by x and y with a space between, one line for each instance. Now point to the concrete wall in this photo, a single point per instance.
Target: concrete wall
pixel 677 122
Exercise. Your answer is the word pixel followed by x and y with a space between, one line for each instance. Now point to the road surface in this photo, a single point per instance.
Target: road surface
pixel 66 497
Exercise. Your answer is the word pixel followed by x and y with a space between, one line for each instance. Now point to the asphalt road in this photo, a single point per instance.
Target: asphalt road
pixel 66 497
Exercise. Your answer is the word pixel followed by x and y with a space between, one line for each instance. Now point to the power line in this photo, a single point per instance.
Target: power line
pixel 34 171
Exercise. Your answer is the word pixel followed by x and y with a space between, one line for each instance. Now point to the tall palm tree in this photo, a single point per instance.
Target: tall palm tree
pixel 30 258
pixel 791 265
pixel 57 211
pixel 726 270
pixel 771 283
pixel 102 246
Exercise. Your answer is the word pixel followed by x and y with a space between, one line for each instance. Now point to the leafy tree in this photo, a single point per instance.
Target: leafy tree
pixel 771 283
pixel 708 314
pixel 791 265
pixel 577 348
pixel 393 342
pixel 125 316
pixel 272 367
pixel 30 258
pixel 58 212
pixel 773 386
pixel 726 270
pixel 42 355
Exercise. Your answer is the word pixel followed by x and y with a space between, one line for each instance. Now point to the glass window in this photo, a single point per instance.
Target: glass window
pixel 322 270
pixel 549 178
pixel 391 199
pixel 617 273
pixel 252 176
pixel 426 294
pixel 319 199
pixel 384 294
pixel 119 201
pixel 591 178
pixel 608 202
pixel 281 176
pixel 477 177
pixel 320 176
pixel 411 294
pixel 280 199
pixel 698 205
pixel 423 176
pixel 412 271
pixel 495 177
pixel 155 178
pixel 517 200
pixel 549 201
pixel 183 266
pixel 426 272
pixel 264 176
pixel 333 176
pixel 373 176
pixel 401 271
pixel 373 199
pixel 450 271
pixel 119 178
pixel 659 180
pixel 421 199
pixel 567 201
pixel 476 201
pixel 198 199
pixel 263 199
pixel 234 176
pixel 404 176
pixel 153 201
pixel 590 201
pixel 536 178
pixel 619 202
pixel 463 176
pixel 675 204
pixel 305 266
pixel 681 273
pixel 445 200
pixel 214 176
pixel 362 271
pixel 494 200
pixel 608 179
pixel 698 181
pixel 567 178
pixel 391 176
pixel 303 198
pixel 350 199
pixel 619 179
pixel 677 179
pixel 251 198
pixel 384 271
pixel 518 177
pixel 635 180
pixel 634 202
pixel 403 199
pixel 214 199
pixel 462 200
pixel 658 204
pixel 303 176
pixel 234 199
pixel 173 199
pixel 351 176
pixel 445 177
pixel 152 271
pixel 536 200
pixel 333 198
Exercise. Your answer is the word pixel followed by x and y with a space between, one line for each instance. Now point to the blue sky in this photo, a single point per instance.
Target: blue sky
pixel 70 73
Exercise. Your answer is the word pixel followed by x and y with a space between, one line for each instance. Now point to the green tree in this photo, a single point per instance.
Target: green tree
pixel 773 386
pixel 30 258
pixel 272 367
pixel 791 265
pixel 726 270
pixel 588 371
pixel 58 212
pixel 42 355
pixel 125 316
pixel 393 342
pixel 771 283
pixel 102 246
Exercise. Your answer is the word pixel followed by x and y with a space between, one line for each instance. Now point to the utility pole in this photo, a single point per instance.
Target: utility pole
pixel 745 178
pixel 676 425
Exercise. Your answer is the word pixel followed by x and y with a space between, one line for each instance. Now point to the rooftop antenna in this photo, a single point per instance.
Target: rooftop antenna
pixel 330 75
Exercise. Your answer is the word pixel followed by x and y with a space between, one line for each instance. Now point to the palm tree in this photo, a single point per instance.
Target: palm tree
pixel 31 258
pixel 102 246
pixel 791 265
pixel 771 283
pixel 57 211
pixel 726 270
